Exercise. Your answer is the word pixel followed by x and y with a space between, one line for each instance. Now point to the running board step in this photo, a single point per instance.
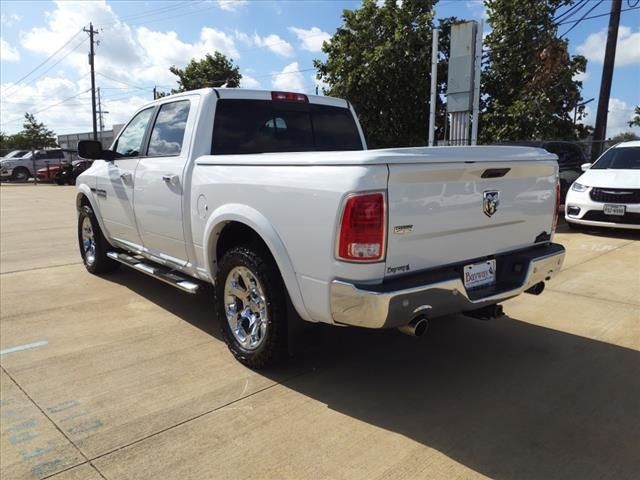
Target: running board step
pixel 163 274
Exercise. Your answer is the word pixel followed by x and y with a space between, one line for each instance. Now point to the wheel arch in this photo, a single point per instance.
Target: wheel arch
pixel 85 197
pixel 236 219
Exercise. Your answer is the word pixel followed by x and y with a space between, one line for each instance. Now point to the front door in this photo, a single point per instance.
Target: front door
pixel 159 182
pixel 115 191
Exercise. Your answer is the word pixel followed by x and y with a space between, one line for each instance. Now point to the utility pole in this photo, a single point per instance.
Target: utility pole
pixel 605 84
pixel 100 115
pixel 91 33
pixel 155 95
pixel 433 104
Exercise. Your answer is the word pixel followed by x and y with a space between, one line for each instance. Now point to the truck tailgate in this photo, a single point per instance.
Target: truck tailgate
pixel 443 213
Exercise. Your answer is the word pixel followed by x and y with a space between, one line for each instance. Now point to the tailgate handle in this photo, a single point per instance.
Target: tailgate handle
pixel 495 172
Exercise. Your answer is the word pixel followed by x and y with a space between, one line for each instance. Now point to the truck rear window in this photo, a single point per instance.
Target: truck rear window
pixel 263 126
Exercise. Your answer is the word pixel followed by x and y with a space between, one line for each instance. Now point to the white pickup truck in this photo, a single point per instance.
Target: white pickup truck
pixel 274 199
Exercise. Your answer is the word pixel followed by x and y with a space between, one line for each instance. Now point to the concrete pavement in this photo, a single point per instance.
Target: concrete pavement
pixel 134 381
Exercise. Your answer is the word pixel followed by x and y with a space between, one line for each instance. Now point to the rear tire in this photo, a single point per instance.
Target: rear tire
pixel 93 245
pixel 20 174
pixel 251 306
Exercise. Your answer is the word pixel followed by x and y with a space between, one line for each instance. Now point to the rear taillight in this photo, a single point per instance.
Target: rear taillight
pixel 362 229
pixel 555 213
pixel 289 97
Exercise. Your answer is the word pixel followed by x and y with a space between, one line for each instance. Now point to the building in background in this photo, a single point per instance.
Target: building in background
pixel 70 140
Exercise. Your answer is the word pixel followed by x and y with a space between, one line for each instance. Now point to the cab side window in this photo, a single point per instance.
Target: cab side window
pixel 168 132
pixel 129 143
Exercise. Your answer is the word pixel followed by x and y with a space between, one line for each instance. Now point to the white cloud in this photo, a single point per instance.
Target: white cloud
pixel 627 49
pixel 289 79
pixel 311 39
pixel 165 48
pixel 231 5
pixel 581 77
pixel 139 57
pixel 620 113
pixel 10 20
pixel 274 43
pixel 249 82
pixel 243 37
pixel 7 52
pixel 73 115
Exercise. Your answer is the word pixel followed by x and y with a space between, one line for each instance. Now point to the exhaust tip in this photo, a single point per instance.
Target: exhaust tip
pixel 537 289
pixel 416 328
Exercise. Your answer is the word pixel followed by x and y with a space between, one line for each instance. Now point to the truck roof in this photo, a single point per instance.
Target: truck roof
pixel 248 94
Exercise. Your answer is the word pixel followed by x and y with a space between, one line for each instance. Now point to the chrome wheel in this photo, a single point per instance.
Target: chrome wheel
pixel 88 241
pixel 245 308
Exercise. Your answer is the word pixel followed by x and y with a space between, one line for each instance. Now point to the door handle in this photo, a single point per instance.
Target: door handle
pixel 171 179
pixel 125 176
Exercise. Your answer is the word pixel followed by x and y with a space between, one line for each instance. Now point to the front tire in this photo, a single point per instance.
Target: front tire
pixel 251 305
pixel 93 245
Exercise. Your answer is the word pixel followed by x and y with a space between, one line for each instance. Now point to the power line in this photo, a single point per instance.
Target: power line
pixel 51 106
pixel 571 11
pixel 122 82
pixel 154 12
pixel 43 62
pixel 575 24
pixel 157 11
pixel 598 16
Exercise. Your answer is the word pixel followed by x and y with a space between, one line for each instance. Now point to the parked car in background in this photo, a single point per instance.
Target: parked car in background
pixel 608 193
pixel 570 158
pixel 15 154
pixel 68 173
pixel 23 168
pixel 48 173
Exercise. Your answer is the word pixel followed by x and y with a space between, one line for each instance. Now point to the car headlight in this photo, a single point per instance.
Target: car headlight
pixel 578 187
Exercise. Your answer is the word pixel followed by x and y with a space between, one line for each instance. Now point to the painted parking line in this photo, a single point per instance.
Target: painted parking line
pixel 26 346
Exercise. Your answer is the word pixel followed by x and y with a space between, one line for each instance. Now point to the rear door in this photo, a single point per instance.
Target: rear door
pixel 443 213
pixel 159 181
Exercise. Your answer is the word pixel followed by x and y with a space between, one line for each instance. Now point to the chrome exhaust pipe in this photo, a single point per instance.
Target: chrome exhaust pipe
pixel 537 289
pixel 416 328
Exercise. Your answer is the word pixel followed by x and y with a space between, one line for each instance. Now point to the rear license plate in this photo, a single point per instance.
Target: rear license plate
pixel 480 274
pixel 614 209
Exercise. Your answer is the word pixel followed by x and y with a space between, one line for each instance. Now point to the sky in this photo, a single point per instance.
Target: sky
pixel 273 42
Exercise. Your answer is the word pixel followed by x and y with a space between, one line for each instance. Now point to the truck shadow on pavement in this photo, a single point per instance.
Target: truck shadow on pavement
pixel 505 398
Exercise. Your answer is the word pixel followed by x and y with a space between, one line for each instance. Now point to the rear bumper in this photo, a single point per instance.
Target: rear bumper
pixel 441 292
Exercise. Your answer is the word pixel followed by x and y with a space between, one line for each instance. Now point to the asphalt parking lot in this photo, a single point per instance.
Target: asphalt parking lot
pixel 128 378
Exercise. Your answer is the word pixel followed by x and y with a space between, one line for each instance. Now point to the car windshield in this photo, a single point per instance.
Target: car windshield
pixel 17 154
pixel 621 158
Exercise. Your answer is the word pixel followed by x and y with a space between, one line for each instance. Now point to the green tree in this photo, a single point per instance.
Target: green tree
pixel 624 137
pixel 528 84
pixel 35 134
pixel 635 121
pixel 211 71
pixel 379 60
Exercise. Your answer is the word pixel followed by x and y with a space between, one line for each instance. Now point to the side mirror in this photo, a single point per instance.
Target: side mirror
pixel 92 149
pixel 585 166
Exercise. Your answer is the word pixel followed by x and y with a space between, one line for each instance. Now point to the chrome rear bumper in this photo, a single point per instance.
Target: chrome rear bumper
pixel 396 302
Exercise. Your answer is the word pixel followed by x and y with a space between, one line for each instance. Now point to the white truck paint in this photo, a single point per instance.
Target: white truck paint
pixel 173 209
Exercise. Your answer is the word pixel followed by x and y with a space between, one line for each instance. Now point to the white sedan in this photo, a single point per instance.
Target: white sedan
pixel 608 193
